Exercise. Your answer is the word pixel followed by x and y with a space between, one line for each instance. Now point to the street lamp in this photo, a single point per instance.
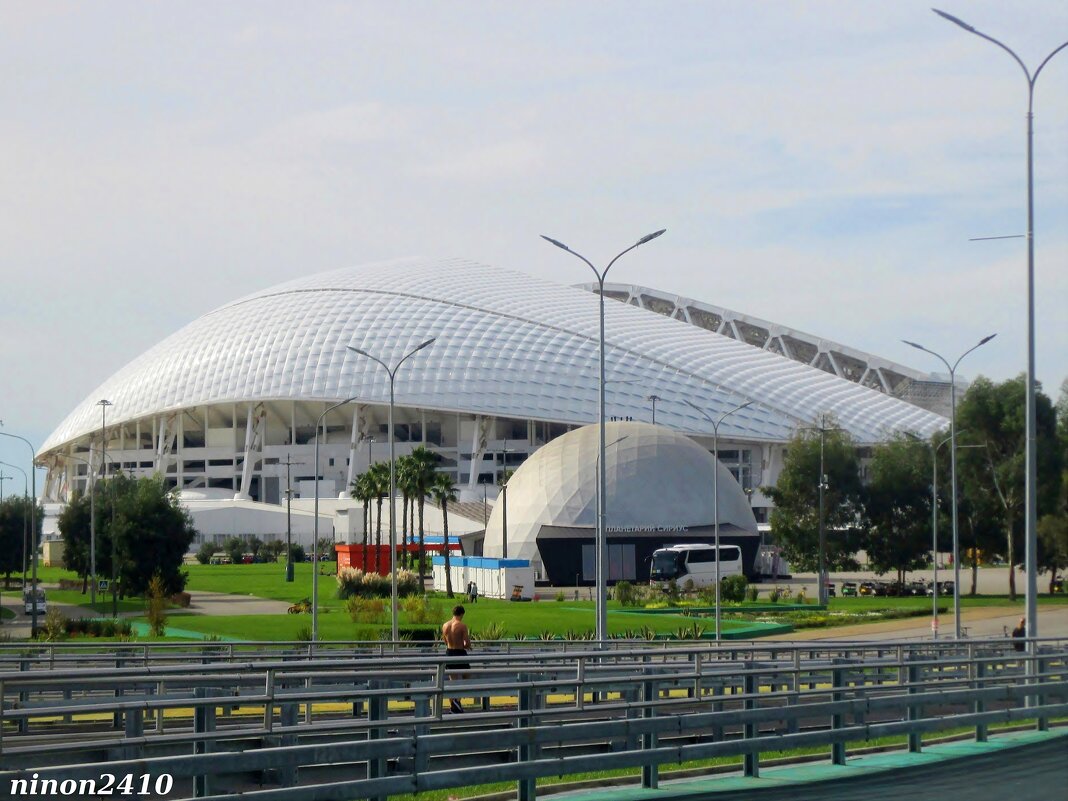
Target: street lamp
pixel 653 399
pixel 715 486
pixel 953 466
pixel 393 477
pixel 103 403
pixel 1031 470
pixel 33 526
pixel 503 482
pixel 289 519
pixel 315 522
pixel 602 611
pixel 4 478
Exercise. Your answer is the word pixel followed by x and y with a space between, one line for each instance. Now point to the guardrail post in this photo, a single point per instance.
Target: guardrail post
pixel 717 706
pixel 838 748
pixel 651 772
pixel 914 712
pixel 289 714
pixel 203 723
pixel 116 719
pixel 750 687
pixel 1040 698
pixel 135 729
pixel 422 710
pixel 527 788
pixel 978 671
pixel 24 697
pixel 377 710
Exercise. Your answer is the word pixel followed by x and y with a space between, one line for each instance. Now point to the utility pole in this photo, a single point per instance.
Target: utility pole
pixel 289 519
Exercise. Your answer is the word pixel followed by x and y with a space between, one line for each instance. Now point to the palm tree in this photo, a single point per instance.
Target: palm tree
pixel 423 463
pixel 363 489
pixel 379 473
pixel 407 488
pixel 443 490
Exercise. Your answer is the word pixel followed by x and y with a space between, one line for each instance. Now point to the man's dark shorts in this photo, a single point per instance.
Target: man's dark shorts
pixel 457 665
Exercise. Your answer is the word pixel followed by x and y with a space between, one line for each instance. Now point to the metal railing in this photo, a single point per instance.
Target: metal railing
pixel 348 721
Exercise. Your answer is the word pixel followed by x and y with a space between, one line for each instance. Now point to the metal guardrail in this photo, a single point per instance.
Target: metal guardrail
pixel 345 722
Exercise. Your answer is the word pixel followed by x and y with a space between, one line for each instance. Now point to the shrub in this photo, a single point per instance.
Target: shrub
pixel 182 599
pixel 420 609
pixel 494 631
pixel 304 634
pixel 694 631
pixel 732 588
pixel 752 592
pixel 689 587
pixel 672 592
pixel 95 627
pixel 353 582
pixel 626 593
pixel 55 627
pixel 366 610
pixel 205 552
pixel 560 596
pixel 156 605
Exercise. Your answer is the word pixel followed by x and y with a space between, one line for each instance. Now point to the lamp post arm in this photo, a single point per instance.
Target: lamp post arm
pixel 408 355
pixel 936 355
pixel 973 347
pixel 1046 61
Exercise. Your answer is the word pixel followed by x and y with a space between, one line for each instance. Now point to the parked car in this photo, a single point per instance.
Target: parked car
pixel 918 587
pixel 849 589
pixel 944 588
pixel 866 588
pixel 27 601
pixel 830 589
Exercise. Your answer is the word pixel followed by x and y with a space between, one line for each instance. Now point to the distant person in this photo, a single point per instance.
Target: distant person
pixel 1019 633
pixel 472 592
pixel 457 640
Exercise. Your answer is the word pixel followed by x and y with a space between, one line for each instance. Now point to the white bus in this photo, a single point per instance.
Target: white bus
pixel 694 562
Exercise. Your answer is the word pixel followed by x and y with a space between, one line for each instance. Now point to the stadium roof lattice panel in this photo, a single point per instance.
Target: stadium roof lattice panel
pixel 929 391
pixel 508 345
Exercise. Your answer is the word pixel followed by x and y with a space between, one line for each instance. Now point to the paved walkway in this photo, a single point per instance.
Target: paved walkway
pixel 1025 766
pixel 983 621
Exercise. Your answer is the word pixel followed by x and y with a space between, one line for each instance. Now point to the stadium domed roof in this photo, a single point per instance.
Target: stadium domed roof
pixel 656 479
pixel 508 345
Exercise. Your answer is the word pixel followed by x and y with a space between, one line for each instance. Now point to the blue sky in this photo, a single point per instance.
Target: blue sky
pixel 819 164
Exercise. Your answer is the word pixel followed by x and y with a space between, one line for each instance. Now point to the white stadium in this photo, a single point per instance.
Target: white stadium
pixel 220 406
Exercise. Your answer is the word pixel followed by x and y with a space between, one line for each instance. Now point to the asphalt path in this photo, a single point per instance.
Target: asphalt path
pixel 1037 772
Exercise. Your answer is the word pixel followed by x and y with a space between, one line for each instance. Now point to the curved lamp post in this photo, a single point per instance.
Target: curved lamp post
pixel 315 522
pixel 33 524
pixel 715 486
pixel 953 465
pixel 1031 470
pixel 393 477
pixel 600 546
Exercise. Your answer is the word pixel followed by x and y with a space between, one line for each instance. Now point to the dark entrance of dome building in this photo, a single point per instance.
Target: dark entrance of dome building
pixel 568 555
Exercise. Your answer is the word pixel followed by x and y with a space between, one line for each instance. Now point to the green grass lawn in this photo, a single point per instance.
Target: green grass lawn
pixel 527 619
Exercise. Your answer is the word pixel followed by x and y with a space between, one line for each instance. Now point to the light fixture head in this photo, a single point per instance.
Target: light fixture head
pixel 652 236
pixel 986 339
pixel 914 344
pixel 954 20
pixel 555 242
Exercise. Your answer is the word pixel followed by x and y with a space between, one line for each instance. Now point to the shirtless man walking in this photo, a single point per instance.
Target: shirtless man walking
pixel 457 640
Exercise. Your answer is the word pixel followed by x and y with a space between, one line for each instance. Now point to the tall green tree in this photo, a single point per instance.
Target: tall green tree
pixel 994 415
pixel 15 533
pixel 406 483
pixel 443 490
pixel 898 506
pixel 1053 545
pixel 795 518
pixel 141 524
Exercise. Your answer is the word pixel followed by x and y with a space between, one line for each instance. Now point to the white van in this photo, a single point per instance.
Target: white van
pixel 694 562
pixel 27 601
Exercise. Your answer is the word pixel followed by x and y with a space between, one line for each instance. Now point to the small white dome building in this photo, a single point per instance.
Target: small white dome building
pixel 659 492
